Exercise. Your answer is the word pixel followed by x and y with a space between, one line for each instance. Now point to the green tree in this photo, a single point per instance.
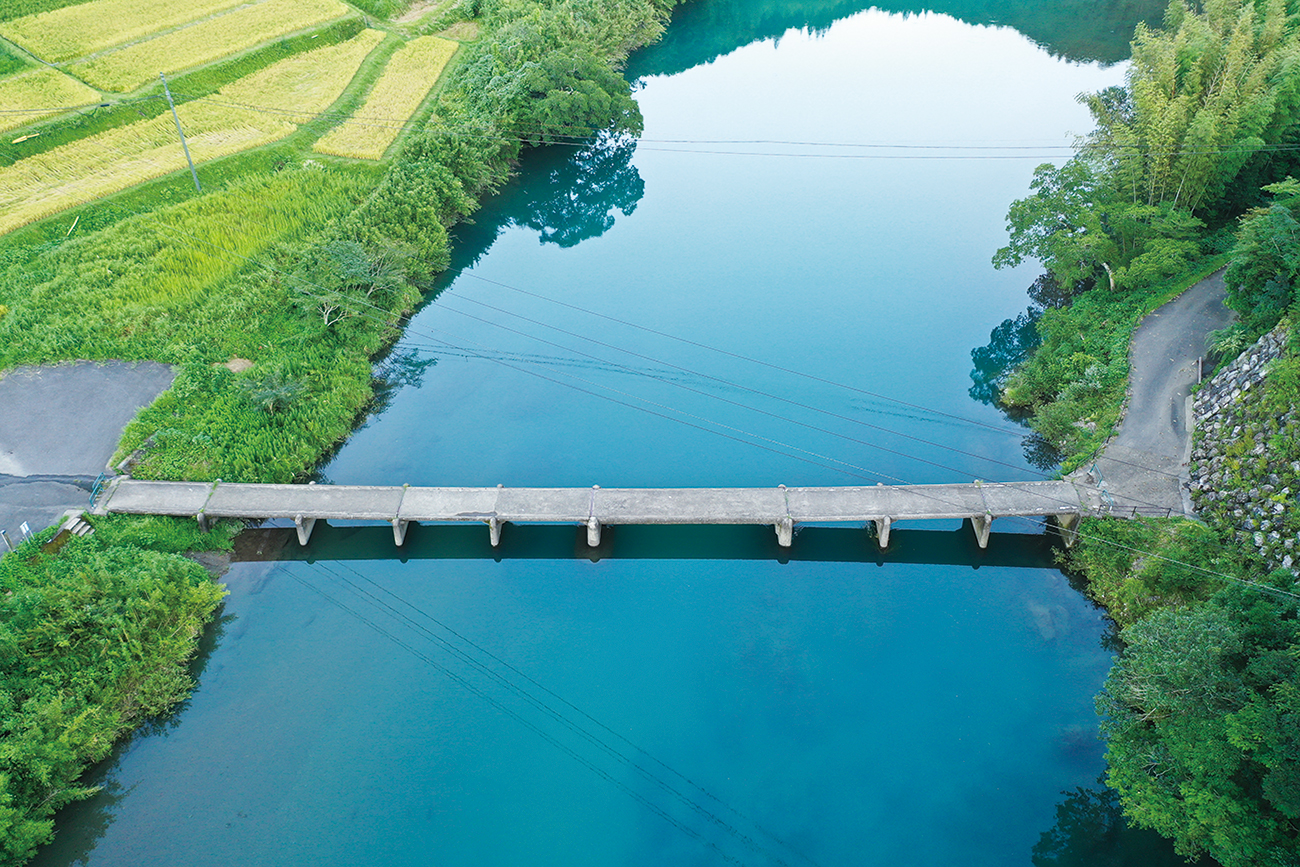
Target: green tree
pixel 550 73
pixel 342 279
pixel 1200 102
pixel 1200 716
pixel 1265 271
pixel 1061 225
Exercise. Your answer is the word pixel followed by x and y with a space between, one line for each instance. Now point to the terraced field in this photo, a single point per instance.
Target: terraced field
pixel 407 79
pixel 255 110
pixel 124 69
pixel 76 31
pixel 39 93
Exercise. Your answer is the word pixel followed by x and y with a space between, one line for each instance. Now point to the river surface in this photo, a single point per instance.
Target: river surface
pixel 750 295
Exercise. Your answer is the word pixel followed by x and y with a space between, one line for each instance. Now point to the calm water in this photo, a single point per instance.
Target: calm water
pixel 689 696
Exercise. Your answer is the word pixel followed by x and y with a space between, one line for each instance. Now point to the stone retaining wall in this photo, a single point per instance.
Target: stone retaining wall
pixel 1242 479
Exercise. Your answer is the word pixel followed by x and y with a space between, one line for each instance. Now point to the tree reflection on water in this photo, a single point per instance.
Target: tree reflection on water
pixel 581 193
pixel 1091 831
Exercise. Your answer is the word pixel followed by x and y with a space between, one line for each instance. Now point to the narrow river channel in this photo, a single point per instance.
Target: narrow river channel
pixel 781 282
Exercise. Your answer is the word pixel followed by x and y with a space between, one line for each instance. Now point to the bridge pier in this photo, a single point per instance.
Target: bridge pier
pixel 305 526
pixel 399 531
pixel 204 524
pixel 883 526
pixel 593 533
pixel 983 524
pixel 785 532
pixel 494 531
pixel 1068 523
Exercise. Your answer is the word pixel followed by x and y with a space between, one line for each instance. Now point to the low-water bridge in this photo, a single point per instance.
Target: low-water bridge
pixel 780 507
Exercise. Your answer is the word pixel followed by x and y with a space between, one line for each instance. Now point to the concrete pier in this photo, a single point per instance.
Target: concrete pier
pixel 781 508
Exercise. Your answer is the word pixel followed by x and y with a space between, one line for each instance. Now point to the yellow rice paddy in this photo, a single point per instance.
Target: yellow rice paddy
pixel 255 110
pixel 406 81
pixel 211 39
pixel 75 31
pixel 30 96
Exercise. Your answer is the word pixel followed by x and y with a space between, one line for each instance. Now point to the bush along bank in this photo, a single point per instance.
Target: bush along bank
pixel 1201 712
pixel 96 635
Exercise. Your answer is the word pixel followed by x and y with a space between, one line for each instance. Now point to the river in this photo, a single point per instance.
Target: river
pixel 781 282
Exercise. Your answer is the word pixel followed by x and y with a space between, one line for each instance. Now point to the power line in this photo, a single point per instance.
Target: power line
pixel 584 135
pixel 844 466
pixel 519 718
pixel 742 357
pixel 527 133
pixel 959 418
pixel 540 704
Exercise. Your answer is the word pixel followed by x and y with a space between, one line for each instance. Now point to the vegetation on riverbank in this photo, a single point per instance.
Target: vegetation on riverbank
pixel 300 262
pixel 95 638
pixel 1187 170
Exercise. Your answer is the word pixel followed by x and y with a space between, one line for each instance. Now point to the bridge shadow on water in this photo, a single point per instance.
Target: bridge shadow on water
pixel 955 547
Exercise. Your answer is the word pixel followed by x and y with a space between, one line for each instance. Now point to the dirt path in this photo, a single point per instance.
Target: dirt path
pixel 1145 464
pixel 59 427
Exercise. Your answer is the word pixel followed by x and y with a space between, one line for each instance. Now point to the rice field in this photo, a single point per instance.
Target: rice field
pixel 30 96
pixel 211 39
pixel 75 31
pixel 255 110
pixel 406 81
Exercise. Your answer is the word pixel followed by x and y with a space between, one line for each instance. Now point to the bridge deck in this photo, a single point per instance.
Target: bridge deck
pixel 595 507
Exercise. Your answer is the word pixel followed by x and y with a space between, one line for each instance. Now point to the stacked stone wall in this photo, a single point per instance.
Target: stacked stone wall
pixel 1244 477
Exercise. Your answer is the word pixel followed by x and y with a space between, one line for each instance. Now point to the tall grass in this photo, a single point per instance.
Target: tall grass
pixel 157 285
pixel 75 31
pixel 38 94
pixel 204 41
pixel 178 286
pixel 90 168
pixel 406 81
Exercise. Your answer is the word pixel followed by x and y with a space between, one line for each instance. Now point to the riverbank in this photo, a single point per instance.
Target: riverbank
pixel 1226 571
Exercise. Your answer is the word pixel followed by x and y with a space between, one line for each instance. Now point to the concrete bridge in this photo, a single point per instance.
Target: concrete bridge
pixel 780 507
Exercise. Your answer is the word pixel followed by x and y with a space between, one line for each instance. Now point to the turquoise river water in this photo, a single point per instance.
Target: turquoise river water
pixel 781 282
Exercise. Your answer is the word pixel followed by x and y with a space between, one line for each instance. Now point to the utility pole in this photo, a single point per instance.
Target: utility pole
pixel 184 146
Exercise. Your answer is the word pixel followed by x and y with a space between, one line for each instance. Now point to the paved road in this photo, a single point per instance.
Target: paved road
pixel 1145 463
pixel 59 426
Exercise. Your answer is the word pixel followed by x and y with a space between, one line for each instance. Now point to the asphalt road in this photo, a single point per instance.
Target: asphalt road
pixel 1145 463
pixel 59 426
